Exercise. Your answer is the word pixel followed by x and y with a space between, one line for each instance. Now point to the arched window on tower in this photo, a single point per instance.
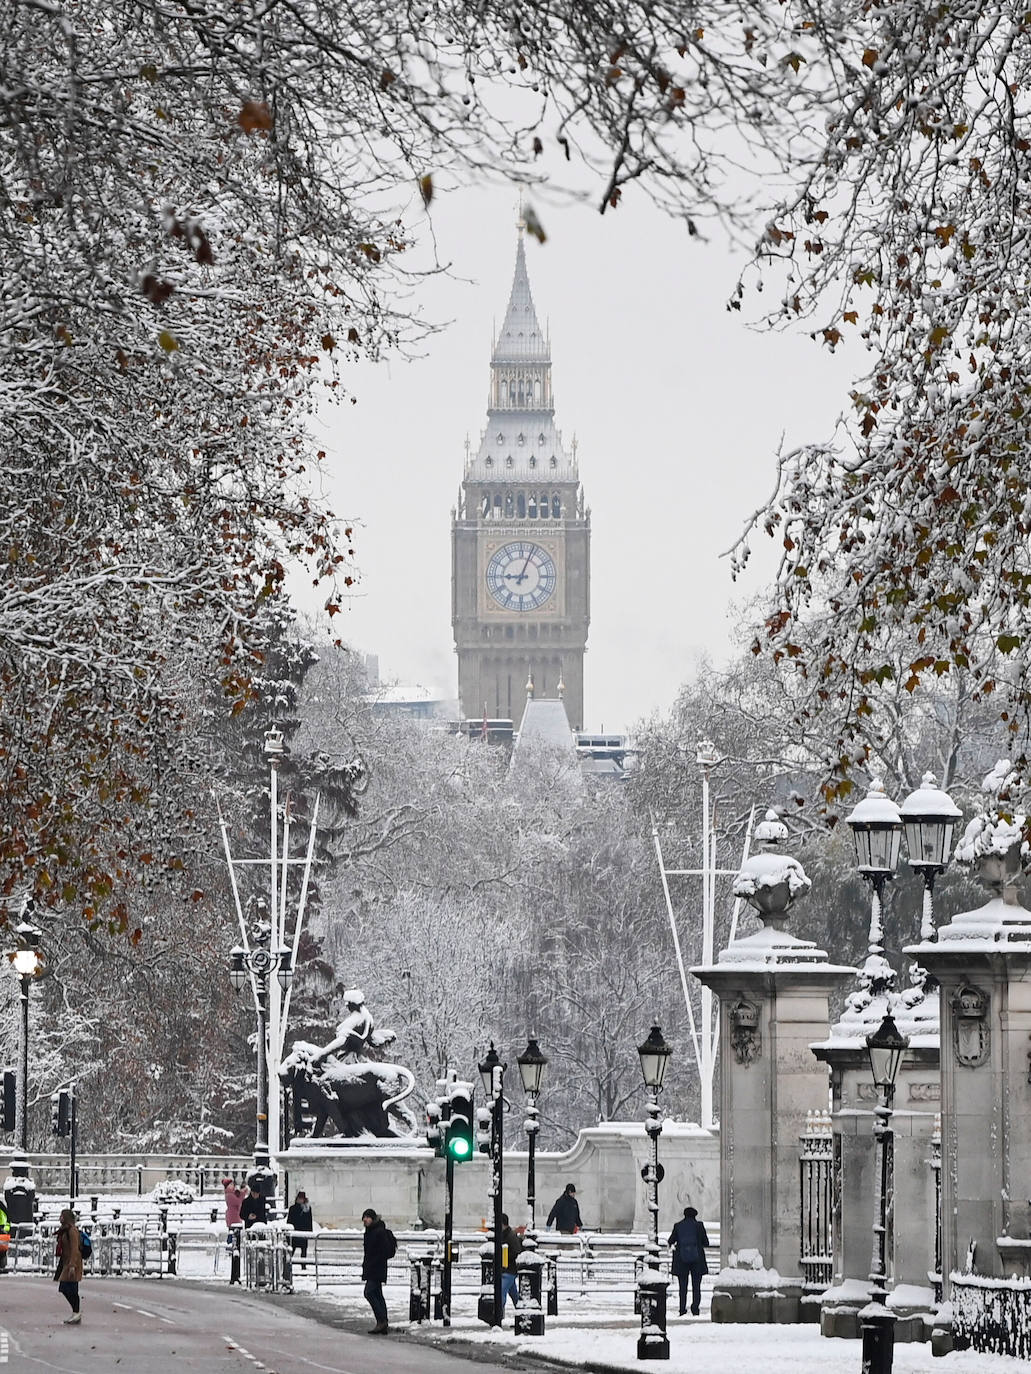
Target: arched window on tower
pixel 521 505
pixel 497 505
pixel 488 462
pixel 533 462
pixel 509 511
pixel 556 507
pixel 521 395
pixel 503 392
pixel 485 508
pixel 554 461
pixel 532 509
pixel 544 505
pixel 537 394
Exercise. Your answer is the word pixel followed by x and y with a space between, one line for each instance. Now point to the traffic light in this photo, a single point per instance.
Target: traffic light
pixel 8 1107
pixel 61 1110
pixel 459 1130
pixel 484 1129
pixel 435 1128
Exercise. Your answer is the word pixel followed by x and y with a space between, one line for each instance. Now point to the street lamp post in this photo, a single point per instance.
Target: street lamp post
pixel 886 1046
pixel 257 962
pixel 27 963
pixel 529 1319
pixel 653 1343
pixel 929 818
pixel 492 1075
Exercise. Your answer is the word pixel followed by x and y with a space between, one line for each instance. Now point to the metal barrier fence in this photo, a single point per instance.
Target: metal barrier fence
pixel 993 1316
pixel 118 1250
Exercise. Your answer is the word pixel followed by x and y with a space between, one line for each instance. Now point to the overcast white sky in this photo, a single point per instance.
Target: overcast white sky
pixel 678 408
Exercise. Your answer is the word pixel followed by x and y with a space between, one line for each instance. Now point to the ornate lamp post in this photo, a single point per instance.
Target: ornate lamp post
pixel 492 1075
pixel 28 963
pixel 929 818
pixel 653 1343
pixel 886 1046
pixel 257 962
pixel 877 829
pixel 529 1320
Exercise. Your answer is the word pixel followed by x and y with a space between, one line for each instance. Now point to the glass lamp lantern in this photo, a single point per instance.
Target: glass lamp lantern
pixel 532 1064
pixel 26 958
pixel 285 968
pixel 654 1054
pixel 877 828
pixel 490 1070
pixel 237 967
pixel 886 1046
pixel 929 817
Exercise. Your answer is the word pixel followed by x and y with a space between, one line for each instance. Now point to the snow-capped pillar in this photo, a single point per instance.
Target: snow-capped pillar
pixel 773 990
pixel 982 959
pixel 911 1240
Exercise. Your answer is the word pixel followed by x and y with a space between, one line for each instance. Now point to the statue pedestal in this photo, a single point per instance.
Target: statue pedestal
pixel 773 990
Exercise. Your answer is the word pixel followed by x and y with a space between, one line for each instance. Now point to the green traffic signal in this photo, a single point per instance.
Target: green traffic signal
pixel 459 1148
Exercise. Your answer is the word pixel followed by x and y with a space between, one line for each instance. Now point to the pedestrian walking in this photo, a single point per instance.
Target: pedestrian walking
pixel 254 1208
pixel 299 1219
pixel 235 1194
pixel 68 1274
pixel 566 1212
pixel 689 1240
pixel 380 1246
pixel 511 1245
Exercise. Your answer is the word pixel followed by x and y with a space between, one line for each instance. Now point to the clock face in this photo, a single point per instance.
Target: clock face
pixel 521 576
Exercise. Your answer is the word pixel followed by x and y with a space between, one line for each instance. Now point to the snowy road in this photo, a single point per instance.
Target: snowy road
pixel 133 1327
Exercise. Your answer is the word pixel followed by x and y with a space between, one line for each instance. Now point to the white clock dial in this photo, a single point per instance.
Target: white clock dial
pixel 521 576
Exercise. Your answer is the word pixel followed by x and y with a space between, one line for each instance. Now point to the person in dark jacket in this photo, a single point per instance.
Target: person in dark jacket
pixel 689 1240
pixel 566 1212
pixel 299 1219
pixel 253 1208
pixel 511 1243
pixel 380 1246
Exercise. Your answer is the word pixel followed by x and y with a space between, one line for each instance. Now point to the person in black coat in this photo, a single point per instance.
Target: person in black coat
pixel 380 1246
pixel 299 1219
pixel 689 1240
pixel 566 1212
pixel 253 1208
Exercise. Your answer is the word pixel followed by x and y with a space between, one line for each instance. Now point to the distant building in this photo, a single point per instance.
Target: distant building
pixel 411 700
pixel 520 535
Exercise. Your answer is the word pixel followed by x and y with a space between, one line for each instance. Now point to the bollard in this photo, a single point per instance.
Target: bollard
pixel 529 1317
pixel 653 1343
pixel 93 1204
pixel 485 1305
pixel 173 1251
pixel 234 1247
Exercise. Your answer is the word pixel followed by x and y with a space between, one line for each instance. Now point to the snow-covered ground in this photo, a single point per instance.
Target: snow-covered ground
pixel 599 1333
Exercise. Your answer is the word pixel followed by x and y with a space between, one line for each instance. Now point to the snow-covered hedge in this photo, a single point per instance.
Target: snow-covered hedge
pixel 173 1192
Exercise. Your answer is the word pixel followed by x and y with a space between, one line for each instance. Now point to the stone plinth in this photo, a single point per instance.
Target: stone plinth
pixel 773 991
pixel 403 1181
pixel 910 1249
pixel 982 960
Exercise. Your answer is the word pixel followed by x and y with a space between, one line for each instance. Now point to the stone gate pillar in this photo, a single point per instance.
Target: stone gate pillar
pixel 982 959
pixel 773 990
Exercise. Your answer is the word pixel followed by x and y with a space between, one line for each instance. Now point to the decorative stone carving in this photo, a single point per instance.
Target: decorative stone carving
pixel 340 1084
pixel 925 1092
pixel 970 1030
pixel 745 1037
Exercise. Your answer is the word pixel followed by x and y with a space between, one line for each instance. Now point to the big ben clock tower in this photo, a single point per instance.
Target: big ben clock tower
pixel 520 536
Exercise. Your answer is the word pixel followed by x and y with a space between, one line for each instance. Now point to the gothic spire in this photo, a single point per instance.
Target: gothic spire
pixel 521 338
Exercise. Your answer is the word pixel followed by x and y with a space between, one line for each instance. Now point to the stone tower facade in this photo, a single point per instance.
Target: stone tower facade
pixel 520 536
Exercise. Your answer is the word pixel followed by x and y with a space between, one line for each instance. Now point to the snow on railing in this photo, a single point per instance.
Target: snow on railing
pixel 993 1316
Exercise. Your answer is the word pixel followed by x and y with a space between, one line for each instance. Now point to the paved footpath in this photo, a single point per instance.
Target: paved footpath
pixel 136 1327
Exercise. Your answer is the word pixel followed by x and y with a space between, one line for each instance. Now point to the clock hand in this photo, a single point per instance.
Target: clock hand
pixel 522 575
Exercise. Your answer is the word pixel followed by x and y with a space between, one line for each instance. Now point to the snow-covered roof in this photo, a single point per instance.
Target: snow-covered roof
pixel 545 723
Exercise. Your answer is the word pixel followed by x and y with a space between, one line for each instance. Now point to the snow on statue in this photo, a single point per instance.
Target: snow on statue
pixel 338 1083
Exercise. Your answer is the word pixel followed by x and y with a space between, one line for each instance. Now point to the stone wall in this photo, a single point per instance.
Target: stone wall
pixel 405 1183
